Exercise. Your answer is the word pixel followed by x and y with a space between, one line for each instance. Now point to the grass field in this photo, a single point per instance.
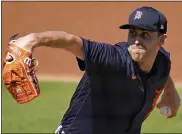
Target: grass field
pixel 44 113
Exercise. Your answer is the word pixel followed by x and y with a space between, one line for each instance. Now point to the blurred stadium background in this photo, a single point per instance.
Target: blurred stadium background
pixel 58 71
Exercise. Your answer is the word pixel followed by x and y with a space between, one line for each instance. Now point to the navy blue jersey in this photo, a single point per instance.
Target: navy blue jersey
pixel 114 96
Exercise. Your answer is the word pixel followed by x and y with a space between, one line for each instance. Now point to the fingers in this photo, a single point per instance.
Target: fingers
pixel 172 115
pixel 159 105
pixel 174 112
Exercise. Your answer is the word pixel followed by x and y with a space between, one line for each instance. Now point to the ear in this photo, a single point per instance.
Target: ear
pixel 163 38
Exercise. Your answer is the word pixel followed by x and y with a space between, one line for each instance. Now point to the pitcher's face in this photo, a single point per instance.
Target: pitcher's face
pixel 143 43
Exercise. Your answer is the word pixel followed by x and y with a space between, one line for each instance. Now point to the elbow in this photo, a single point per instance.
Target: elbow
pixel 73 41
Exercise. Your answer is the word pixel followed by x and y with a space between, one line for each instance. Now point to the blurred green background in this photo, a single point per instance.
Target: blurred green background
pixel 44 113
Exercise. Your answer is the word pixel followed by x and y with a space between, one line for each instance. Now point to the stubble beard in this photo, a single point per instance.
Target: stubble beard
pixel 136 54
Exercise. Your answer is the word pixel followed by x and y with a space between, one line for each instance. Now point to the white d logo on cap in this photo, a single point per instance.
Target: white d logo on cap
pixel 138 15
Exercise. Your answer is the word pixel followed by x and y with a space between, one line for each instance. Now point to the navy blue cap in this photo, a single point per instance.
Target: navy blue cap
pixel 147 18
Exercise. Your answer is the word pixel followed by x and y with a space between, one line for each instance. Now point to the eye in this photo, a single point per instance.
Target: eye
pixel 145 35
pixel 132 33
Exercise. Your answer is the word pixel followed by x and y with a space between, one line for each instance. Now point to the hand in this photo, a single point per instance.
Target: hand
pixel 27 42
pixel 172 100
pixel 18 74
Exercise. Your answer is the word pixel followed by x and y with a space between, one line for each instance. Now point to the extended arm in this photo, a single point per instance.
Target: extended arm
pixel 54 39
pixel 94 54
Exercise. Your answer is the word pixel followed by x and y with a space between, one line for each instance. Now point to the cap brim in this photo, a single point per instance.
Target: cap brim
pixel 128 26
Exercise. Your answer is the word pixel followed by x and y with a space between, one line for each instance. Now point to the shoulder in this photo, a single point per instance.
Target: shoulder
pixel 122 47
pixel 119 45
pixel 164 53
pixel 88 41
pixel 164 57
pixel 163 61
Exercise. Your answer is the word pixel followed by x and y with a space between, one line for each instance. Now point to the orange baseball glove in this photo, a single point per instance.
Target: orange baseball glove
pixel 19 75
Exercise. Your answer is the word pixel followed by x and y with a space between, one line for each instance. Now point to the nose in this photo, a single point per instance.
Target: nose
pixel 137 42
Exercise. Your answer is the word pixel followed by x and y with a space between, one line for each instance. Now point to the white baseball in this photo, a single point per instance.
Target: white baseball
pixel 165 110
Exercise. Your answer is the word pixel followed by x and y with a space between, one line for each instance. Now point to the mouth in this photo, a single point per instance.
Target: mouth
pixel 138 46
pixel 137 49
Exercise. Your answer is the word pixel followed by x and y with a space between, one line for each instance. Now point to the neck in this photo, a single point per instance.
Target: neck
pixel 147 64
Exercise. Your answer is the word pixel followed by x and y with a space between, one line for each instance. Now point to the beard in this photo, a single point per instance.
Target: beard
pixel 137 54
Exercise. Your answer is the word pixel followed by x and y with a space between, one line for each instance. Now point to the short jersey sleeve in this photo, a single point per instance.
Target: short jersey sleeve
pixel 102 55
pixel 81 64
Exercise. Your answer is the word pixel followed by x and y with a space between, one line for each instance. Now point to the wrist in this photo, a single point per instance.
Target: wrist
pixel 28 42
pixel 170 90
